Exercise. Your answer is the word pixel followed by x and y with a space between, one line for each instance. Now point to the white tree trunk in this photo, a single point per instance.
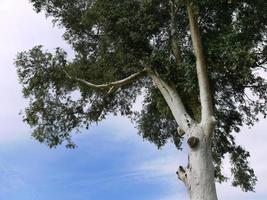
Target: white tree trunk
pixel 200 171
pixel 198 176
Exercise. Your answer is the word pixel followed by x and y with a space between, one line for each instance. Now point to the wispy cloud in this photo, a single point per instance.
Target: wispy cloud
pixel 12 181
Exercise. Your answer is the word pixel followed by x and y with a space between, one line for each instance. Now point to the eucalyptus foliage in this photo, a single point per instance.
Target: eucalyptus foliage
pixel 111 38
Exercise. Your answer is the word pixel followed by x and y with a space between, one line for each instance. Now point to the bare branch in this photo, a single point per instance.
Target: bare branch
pixel 262 63
pixel 173 100
pixel 174 38
pixel 112 85
pixel 256 86
pixel 202 72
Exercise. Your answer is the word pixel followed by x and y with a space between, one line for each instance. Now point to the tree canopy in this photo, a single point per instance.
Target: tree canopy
pixel 113 40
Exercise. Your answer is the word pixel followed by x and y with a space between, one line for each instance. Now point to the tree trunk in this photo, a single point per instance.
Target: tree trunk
pixel 199 174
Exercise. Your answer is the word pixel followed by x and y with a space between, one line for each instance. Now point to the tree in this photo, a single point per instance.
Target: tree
pixel 197 63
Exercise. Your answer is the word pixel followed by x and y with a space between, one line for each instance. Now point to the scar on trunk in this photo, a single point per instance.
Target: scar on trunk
pixel 193 142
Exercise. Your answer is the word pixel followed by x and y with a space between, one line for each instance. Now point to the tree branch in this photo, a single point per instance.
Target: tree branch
pixel 173 100
pixel 264 85
pixel 202 72
pixel 174 39
pixel 112 85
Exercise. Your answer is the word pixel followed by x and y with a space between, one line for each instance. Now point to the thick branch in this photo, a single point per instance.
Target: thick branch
pixel 112 85
pixel 173 100
pixel 202 72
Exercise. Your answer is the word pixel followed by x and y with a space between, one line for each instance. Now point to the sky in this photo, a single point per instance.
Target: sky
pixel 111 161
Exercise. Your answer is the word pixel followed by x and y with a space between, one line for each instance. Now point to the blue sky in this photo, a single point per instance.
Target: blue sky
pixel 104 166
pixel 111 161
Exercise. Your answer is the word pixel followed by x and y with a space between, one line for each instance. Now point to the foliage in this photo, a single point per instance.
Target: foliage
pixel 111 37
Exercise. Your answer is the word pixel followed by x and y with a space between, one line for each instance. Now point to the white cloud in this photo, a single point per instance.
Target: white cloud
pixel 163 164
pixel 20 29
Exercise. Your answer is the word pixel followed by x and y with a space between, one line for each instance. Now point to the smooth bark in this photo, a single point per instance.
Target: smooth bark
pixel 198 176
pixel 200 171
pixel 174 101
pixel 112 85
pixel 200 180
pixel 202 72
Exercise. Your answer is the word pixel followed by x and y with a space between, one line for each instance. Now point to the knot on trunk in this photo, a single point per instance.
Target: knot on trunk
pixel 193 142
pixel 180 131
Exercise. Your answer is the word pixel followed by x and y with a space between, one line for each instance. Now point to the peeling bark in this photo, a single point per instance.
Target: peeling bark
pixel 182 175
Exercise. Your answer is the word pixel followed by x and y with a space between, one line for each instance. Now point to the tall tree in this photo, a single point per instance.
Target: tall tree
pixel 197 63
